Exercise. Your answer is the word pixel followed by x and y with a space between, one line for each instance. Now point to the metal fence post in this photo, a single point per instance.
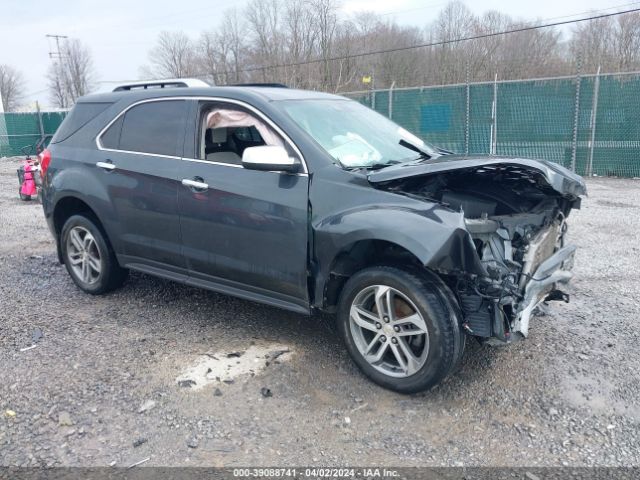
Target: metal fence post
pixel 40 125
pixel 494 118
pixel 594 117
pixel 576 117
pixel 467 112
pixel 373 91
pixel 393 84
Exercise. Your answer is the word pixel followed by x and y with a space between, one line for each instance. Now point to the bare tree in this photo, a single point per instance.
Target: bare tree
pixel 300 39
pixel 627 41
pixel 264 21
pixel 455 21
pixel 72 75
pixel 311 44
pixel 592 43
pixel 325 13
pixel 174 56
pixel 79 67
pixel 56 76
pixel 233 28
pixel 221 54
pixel 11 87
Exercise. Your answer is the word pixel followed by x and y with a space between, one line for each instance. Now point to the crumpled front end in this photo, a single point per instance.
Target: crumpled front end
pixel 516 217
pixel 527 262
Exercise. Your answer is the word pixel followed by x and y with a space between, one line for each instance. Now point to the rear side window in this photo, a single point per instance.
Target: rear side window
pixel 111 138
pixel 79 116
pixel 154 127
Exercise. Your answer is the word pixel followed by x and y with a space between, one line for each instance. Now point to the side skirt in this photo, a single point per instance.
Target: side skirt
pixel 218 285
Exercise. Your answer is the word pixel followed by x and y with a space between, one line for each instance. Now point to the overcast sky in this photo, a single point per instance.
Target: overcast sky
pixel 119 33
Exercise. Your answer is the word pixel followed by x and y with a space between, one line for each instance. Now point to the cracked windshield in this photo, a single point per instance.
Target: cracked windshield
pixel 356 136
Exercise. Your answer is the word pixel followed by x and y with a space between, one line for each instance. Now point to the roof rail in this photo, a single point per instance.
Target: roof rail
pixel 167 83
pixel 268 85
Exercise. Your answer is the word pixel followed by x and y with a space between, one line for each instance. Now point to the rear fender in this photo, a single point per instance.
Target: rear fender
pixel 75 182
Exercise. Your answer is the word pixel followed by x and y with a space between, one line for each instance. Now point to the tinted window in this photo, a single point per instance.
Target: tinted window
pixel 155 127
pixel 111 138
pixel 79 116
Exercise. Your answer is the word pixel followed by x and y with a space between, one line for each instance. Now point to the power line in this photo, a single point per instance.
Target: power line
pixel 424 45
pixel 435 5
pixel 592 12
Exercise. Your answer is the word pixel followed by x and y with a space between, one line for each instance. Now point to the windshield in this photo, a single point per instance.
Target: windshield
pixel 355 135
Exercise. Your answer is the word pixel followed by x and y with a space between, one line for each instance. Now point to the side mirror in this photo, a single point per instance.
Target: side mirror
pixel 268 158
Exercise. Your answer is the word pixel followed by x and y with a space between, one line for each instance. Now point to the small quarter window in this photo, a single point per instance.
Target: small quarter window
pixel 111 138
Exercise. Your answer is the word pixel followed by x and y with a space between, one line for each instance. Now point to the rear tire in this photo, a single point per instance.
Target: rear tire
pixel 23 197
pixel 88 256
pixel 416 341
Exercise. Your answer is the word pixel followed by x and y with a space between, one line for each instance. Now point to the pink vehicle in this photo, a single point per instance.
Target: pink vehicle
pixel 29 176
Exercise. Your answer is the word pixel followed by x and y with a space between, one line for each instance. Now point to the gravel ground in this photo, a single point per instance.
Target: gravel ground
pixel 100 387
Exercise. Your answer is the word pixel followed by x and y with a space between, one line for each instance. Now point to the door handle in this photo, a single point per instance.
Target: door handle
pixel 196 183
pixel 108 165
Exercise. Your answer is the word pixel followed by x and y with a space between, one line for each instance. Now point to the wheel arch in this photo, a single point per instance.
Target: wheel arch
pixel 361 254
pixel 68 206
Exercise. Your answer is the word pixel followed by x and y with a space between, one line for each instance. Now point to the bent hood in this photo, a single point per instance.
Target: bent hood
pixel 559 178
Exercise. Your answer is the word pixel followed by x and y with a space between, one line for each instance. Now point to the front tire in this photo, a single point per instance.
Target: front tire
pixel 401 328
pixel 88 256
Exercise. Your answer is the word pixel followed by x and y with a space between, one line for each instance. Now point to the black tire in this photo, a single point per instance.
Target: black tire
pixel 111 275
pixel 441 314
pixel 23 197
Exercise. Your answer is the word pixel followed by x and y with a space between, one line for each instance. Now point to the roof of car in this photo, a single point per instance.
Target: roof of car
pixel 234 92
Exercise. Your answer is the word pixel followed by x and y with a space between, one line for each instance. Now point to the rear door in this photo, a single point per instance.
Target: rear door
pixel 139 158
pixel 244 230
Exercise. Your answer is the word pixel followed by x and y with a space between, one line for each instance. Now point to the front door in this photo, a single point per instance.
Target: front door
pixel 244 230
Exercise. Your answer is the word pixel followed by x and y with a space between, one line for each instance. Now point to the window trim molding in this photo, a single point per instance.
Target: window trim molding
pixel 251 108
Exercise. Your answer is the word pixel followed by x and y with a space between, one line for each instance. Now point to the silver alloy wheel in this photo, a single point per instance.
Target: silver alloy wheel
pixel 83 255
pixel 389 331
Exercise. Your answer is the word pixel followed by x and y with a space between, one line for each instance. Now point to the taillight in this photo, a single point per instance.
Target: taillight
pixel 45 160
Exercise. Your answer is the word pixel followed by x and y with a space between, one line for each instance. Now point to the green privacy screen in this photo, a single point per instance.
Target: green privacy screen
pixel 591 124
pixel 20 129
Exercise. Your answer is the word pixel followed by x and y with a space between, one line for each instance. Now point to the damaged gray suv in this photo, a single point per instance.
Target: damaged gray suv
pixel 311 202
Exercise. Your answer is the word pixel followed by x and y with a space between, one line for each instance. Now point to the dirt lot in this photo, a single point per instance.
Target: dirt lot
pixel 102 385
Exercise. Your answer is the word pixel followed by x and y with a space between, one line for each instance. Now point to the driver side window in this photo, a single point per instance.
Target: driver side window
pixel 226 131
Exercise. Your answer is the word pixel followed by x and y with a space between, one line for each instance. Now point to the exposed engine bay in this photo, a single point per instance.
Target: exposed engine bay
pixel 517 223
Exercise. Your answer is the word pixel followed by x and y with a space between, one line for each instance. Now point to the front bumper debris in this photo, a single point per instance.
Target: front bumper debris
pixel 553 271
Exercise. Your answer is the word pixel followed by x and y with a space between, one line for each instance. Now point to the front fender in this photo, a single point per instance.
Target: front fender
pixel 436 236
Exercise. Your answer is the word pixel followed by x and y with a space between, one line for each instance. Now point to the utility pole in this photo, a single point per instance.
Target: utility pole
pixel 57 53
pixel 57 57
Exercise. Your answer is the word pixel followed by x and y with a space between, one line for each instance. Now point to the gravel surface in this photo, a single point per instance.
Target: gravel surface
pixel 101 387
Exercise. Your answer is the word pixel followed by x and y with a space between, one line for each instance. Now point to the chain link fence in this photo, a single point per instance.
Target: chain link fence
pixel 18 130
pixel 588 123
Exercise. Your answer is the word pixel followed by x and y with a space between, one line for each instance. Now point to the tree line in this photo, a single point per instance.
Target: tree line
pixel 311 44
